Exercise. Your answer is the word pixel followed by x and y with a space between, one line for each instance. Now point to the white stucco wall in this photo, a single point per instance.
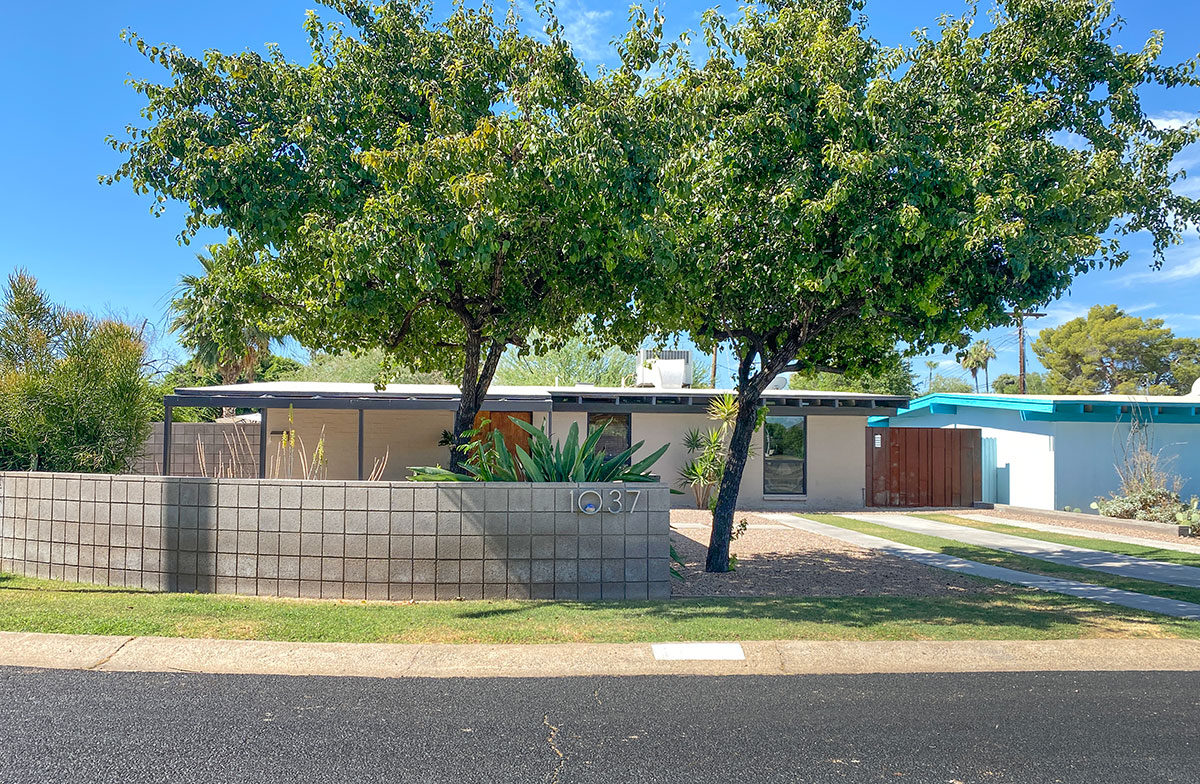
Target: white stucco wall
pixel 1088 453
pixel 1027 447
pixel 1067 464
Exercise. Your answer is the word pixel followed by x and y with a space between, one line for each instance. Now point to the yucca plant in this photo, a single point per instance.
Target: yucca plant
pixel 490 460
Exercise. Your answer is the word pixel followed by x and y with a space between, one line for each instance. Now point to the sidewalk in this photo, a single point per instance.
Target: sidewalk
pixel 159 654
pixel 1066 554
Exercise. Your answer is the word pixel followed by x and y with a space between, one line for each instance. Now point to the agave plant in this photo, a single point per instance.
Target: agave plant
pixel 490 460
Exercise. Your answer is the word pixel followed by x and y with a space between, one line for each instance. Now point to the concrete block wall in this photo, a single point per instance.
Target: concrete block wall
pixel 351 540
pixel 229 449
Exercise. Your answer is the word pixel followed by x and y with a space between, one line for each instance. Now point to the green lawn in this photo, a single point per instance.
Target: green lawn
pixel 44 606
pixel 1107 545
pixel 1011 560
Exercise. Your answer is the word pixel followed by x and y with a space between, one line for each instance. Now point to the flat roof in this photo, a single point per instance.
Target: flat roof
pixel 1061 408
pixel 303 394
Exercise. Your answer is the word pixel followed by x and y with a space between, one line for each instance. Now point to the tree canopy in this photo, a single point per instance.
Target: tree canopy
pixel 1111 352
pixel 894 377
pixel 1009 384
pixel 437 190
pixel 826 197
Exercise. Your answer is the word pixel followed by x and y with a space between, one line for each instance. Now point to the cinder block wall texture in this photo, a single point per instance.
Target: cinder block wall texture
pixel 352 540
pixel 227 449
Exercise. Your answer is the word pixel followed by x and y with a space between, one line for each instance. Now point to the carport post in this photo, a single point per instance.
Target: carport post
pixel 262 443
pixel 166 461
pixel 360 444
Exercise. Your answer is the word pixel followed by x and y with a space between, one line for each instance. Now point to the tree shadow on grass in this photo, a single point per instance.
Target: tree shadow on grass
pixel 1028 611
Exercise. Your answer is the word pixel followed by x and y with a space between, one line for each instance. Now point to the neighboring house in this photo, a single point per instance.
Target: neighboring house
pixel 811 454
pixel 1062 451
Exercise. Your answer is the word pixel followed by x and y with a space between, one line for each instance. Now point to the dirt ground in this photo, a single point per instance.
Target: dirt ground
pixel 775 560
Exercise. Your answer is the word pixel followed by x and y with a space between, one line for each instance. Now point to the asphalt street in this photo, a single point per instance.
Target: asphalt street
pixel 1092 728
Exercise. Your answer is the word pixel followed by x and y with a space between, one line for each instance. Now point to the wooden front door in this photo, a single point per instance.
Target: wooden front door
pixel 514 436
pixel 920 466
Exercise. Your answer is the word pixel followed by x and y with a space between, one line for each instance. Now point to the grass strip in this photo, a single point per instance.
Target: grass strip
pixel 33 605
pixel 1013 561
pixel 1106 545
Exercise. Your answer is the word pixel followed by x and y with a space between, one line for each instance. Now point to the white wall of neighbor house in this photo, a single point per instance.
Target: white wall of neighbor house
pixel 1030 449
pixel 1088 454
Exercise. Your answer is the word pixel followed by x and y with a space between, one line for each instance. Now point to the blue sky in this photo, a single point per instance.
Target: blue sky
pixel 62 90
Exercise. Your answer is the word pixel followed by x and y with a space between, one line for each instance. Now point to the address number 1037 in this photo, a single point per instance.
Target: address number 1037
pixel 613 501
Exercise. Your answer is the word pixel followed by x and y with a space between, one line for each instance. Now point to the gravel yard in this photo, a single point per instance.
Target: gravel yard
pixel 775 560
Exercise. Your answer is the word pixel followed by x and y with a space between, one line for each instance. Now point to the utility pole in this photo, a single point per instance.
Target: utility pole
pixel 1021 352
pixel 714 365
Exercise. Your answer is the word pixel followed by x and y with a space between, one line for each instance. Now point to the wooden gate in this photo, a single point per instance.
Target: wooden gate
pixel 918 466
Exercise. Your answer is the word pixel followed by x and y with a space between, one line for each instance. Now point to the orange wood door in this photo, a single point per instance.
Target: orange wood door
pixel 514 436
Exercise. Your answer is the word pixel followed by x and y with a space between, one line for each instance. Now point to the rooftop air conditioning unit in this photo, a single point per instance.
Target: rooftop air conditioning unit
pixel 667 369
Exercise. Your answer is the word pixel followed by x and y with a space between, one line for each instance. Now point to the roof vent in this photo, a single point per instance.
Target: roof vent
pixel 666 369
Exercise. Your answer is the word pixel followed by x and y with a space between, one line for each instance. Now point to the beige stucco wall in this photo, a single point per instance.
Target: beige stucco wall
pixel 836 449
pixel 836 460
pixel 407 438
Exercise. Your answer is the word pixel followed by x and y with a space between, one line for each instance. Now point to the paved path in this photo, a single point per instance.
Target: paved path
pixel 1010 728
pixel 782 657
pixel 1098 593
pixel 1069 530
pixel 1068 555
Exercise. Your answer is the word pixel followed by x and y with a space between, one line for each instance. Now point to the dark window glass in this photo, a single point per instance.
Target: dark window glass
pixel 616 432
pixel 784 456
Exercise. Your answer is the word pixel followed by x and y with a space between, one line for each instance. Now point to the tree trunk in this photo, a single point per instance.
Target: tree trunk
pixel 731 478
pixel 477 378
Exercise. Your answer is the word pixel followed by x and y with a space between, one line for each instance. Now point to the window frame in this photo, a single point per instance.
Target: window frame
pixel 628 428
pixel 804 485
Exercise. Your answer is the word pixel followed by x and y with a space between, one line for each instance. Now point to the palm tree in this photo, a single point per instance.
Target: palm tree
pixel 930 365
pixel 975 358
pixel 984 354
pixel 218 336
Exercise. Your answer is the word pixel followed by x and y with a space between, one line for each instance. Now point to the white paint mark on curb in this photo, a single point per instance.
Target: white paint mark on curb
pixel 698 651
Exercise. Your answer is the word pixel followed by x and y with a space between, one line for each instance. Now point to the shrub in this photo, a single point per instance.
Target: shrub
pixel 73 394
pixel 1156 505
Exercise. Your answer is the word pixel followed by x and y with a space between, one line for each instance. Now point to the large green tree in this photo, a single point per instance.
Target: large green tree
pixel 438 190
pixel 1111 352
pixel 827 197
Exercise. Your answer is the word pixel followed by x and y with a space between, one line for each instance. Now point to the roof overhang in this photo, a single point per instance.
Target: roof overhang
pixel 578 399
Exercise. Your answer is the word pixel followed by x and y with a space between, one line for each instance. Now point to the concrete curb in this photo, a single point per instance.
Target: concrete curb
pixel 784 657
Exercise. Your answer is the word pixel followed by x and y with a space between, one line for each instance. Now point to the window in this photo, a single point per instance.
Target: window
pixel 784 455
pixel 616 432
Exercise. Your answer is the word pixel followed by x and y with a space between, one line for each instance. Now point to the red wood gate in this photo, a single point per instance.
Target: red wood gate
pixel 919 466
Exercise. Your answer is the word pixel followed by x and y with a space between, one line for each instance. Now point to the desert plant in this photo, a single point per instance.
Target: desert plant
pixel 1149 489
pixel 490 460
pixel 710 450
pixel 1190 516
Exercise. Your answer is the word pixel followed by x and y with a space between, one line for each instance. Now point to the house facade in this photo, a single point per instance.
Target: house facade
pixel 1063 451
pixel 811 453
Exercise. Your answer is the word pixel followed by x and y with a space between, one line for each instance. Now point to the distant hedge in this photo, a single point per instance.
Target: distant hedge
pixel 73 390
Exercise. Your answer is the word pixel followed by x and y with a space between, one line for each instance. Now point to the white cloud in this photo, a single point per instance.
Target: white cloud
pixel 582 26
pixel 1057 314
pixel 1172 120
pixel 1141 308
